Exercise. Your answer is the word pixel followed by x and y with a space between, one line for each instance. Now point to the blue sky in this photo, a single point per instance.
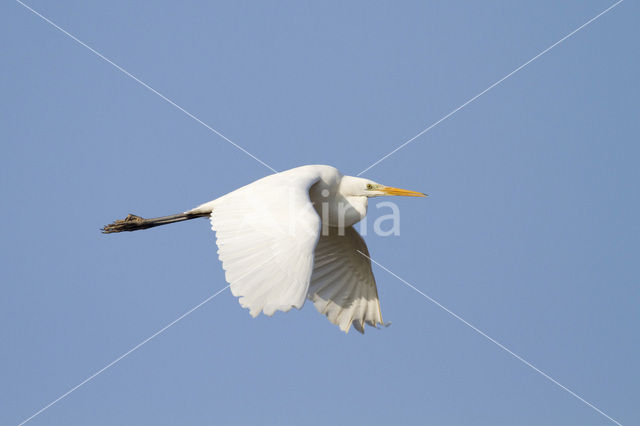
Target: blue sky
pixel 530 232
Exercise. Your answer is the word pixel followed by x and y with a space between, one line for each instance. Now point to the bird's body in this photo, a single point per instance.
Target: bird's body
pixel 288 237
pixel 325 187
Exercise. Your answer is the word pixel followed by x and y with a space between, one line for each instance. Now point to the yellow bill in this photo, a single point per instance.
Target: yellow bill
pixel 388 190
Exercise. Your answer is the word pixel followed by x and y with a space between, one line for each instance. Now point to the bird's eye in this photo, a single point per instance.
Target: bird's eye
pixel 369 186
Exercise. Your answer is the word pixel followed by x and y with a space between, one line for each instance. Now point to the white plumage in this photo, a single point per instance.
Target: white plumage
pixel 288 237
pixel 253 230
pixel 342 284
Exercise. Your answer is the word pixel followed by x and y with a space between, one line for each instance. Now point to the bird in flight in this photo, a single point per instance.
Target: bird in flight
pixel 289 237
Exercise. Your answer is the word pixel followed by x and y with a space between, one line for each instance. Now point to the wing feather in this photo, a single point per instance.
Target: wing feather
pixel 342 284
pixel 266 233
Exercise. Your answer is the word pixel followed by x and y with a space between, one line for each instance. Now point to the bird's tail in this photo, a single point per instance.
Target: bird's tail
pixel 135 223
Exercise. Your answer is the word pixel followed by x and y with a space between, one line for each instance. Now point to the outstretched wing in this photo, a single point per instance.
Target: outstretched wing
pixel 266 233
pixel 342 284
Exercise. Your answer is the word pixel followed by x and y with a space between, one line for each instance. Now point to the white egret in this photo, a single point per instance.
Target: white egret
pixel 289 237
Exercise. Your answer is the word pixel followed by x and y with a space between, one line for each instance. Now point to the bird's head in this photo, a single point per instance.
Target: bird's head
pixel 356 186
